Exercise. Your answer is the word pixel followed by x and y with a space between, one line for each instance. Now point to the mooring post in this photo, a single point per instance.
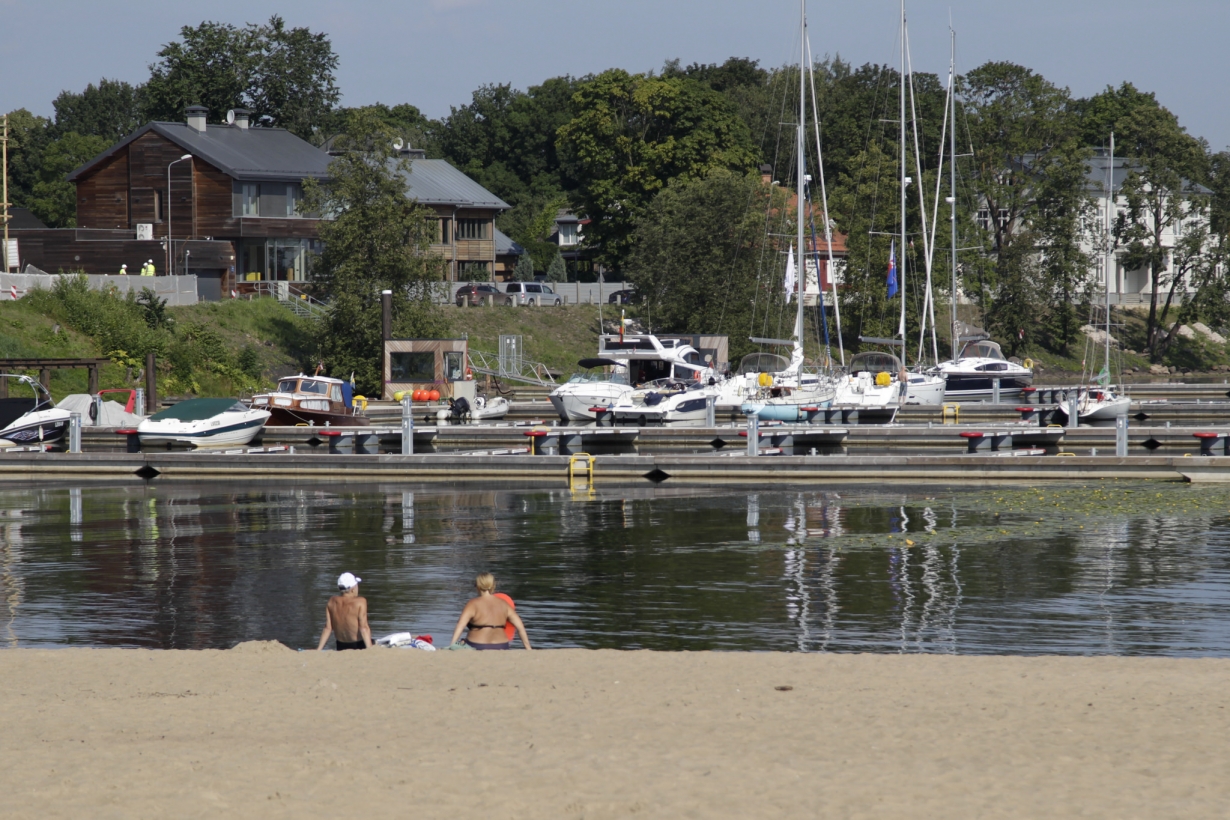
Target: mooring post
pixel 1121 436
pixel 98 410
pixel 711 411
pixel 74 433
pixel 407 426
pixel 139 403
pixel 92 379
pixel 753 434
pixel 151 383
pixel 1074 415
pixel 995 390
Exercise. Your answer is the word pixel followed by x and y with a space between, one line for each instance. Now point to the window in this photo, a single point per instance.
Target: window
pixel 984 219
pixel 1003 218
pixel 294 196
pixel 472 270
pixel 533 289
pixel 454 367
pixel 248 196
pixel 412 367
pixel 568 233
pixel 443 232
pixel 473 228
pixel 157 206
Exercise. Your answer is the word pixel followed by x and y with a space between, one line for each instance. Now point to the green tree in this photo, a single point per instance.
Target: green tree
pixel 1098 115
pixel 404 120
pixel 284 76
pixel 378 240
pixel 29 136
pixel 524 272
pixel 630 135
pixel 557 271
pixel 54 198
pixel 111 109
pixel 1024 146
pixel 703 260
pixel 1161 199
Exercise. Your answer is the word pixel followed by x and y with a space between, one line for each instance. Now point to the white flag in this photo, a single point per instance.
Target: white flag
pixel 790 275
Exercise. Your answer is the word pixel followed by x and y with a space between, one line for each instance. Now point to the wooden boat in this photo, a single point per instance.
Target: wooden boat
pixel 315 401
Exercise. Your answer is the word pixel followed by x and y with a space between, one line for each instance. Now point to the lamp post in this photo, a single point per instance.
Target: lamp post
pixel 170 237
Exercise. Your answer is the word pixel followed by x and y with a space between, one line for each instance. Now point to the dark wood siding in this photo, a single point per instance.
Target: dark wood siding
pixel 256 227
pixel 102 198
pixel 58 251
pixel 214 207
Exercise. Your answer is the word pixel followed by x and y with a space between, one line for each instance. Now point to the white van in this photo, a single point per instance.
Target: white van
pixel 531 293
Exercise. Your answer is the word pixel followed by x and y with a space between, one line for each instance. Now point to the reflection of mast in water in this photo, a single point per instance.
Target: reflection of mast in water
pixel 1114 534
pixel 903 582
pixel 798 597
pixel 11 582
pixel 75 514
pixel 828 572
pixel 753 518
pixel 407 518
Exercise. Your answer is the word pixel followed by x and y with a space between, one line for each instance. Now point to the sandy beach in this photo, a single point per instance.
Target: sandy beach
pixel 265 731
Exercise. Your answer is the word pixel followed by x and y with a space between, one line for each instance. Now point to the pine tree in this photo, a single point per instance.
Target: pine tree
pixel 557 272
pixel 524 272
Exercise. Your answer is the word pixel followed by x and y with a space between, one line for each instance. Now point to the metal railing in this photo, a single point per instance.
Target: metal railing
pixel 301 303
pixel 522 371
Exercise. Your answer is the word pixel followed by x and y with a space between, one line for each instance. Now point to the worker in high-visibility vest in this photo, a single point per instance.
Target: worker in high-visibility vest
pixel 123 270
pixel 148 270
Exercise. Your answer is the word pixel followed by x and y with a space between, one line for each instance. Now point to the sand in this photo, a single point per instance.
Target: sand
pixel 264 731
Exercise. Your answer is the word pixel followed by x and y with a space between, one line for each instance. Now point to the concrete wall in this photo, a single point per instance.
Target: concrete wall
pixel 177 290
pixel 573 293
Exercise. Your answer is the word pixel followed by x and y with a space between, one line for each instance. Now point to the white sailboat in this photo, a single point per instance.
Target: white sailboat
pixel 1098 401
pixel 791 395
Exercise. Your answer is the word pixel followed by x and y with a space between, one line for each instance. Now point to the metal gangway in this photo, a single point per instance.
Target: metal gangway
pixel 509 364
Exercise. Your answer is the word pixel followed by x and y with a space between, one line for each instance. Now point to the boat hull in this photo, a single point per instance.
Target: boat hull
pixel 576 405
pixel 195 434
pixel 38 425
pixel 294 417
pixel 980 388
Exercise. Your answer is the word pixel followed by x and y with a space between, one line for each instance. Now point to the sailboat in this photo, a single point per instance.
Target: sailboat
pixel 977 362
pixel 787 394
pixel 1098 402
pixel 881 380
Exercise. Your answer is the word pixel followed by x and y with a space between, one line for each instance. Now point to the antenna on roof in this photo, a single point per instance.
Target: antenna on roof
pixel 398 144
pixel 230 117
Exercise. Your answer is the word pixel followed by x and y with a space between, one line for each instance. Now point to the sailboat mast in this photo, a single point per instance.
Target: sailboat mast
pixel 1110 249
pixel 952 183
pixel 801 149
pixel 824 200
pixel 901 150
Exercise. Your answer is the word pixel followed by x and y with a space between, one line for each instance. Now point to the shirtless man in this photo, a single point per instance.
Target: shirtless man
pixel 346 613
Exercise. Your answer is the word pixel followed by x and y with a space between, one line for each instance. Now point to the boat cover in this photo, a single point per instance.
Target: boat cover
pixel 199 409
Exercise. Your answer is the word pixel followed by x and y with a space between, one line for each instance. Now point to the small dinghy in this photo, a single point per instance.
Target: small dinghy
pixel 203 423
pixel 26 421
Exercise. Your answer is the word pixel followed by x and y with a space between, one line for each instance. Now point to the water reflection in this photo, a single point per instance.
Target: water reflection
pixel 856 569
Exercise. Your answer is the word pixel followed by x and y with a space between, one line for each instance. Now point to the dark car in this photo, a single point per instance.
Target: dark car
pixel 475 294
pixel 622 297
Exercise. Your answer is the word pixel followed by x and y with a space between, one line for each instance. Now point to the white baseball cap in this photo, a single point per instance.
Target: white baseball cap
pixel 347 580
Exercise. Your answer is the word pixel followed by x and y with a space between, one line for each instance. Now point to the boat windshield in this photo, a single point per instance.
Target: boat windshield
pixel 286 386
pixel 309 386
pixel 983 350
pixel 874 362
pixel 598 376
pixel 763 363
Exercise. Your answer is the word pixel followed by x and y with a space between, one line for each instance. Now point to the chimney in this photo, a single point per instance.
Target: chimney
pixel 196 117
pixel 241 118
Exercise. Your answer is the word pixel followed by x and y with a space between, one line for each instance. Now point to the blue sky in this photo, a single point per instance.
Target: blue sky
pixel 433 53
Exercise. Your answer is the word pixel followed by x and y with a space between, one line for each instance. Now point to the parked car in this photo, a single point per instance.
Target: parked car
pixel 531 293
pixel 622 297
pixel 475 293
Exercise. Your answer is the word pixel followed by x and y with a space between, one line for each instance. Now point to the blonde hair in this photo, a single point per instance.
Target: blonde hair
pixel 485 582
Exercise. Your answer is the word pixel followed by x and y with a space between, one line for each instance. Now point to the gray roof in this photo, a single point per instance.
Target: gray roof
pixel 20 219
pixel 243 153
pixel 1095 174
pixel 435 182
pixel 506 245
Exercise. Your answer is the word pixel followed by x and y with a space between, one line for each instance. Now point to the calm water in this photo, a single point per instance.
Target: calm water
pixel 1111 568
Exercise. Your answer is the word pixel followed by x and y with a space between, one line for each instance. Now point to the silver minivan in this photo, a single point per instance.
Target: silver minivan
pixel 531 293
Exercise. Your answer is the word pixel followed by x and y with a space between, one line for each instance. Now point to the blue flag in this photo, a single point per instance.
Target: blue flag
pixel 892 270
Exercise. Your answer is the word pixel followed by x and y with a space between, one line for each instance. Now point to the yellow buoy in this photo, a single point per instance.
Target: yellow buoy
pixel 884 378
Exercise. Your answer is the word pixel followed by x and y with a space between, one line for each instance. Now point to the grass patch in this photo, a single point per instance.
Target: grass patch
pixel 555 336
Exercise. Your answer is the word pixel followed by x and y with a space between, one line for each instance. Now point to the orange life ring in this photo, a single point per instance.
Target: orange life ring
pixel 509 630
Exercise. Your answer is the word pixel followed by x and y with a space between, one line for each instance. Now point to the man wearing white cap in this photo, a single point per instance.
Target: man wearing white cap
pixel 346 614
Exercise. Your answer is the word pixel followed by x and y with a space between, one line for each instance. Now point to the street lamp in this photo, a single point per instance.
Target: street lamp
pixel 170 237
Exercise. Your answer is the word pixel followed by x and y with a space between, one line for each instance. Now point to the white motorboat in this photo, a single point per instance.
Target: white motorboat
pixel 665 402
pixel 27 421
pixel 635 361
pixel 203 423
pixel 970 376
pixel 485 409
pixel 603 384
pixel 1100 404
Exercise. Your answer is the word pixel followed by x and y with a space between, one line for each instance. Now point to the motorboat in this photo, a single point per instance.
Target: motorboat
pixel 970 376
pixel 635 361
pixel 26 421
pixel 312 401
pixel 462 410
pixel 603 383
pixel 878 380
pixel 99 411
pixel 666 402
pixel 1097 404
pixel 203 423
